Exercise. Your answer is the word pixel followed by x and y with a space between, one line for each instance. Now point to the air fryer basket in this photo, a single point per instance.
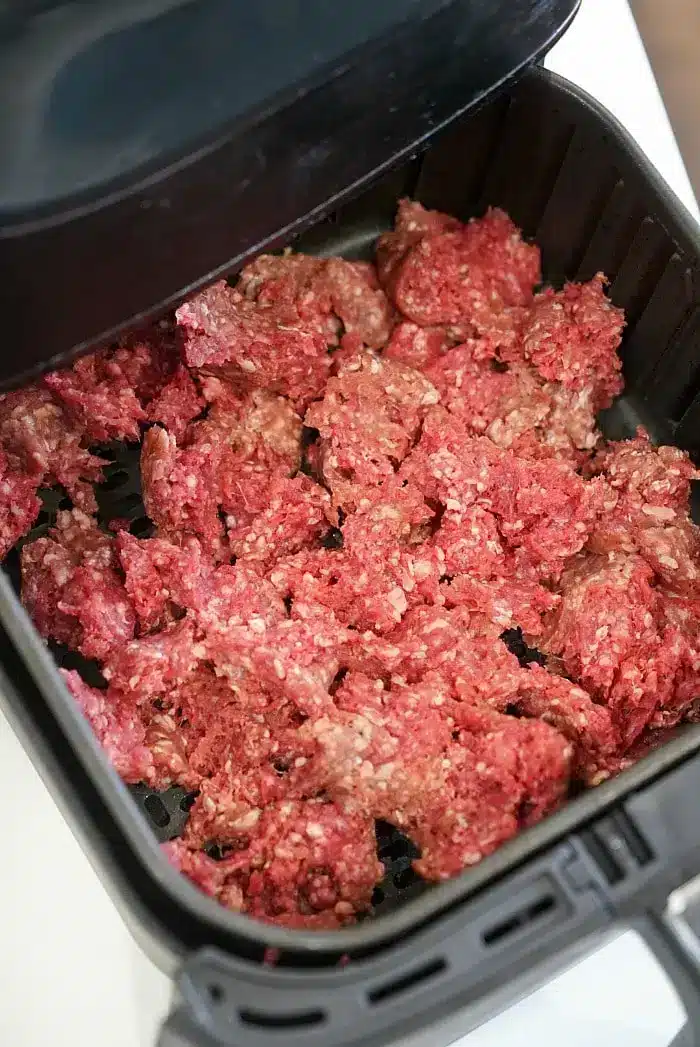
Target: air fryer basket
pixel 572 179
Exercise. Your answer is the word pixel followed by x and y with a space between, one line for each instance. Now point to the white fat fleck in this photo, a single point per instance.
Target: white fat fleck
pixel 659 512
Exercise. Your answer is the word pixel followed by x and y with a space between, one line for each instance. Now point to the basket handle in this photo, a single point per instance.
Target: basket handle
pixel 672 936
pixel 635 865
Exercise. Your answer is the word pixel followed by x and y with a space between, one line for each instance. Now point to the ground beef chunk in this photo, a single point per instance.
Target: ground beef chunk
pixel 477 279
pixel 177 403
pixel 72 589
pixel 291 286
pixel 417 347
pixel 210 876
pixel 543 509
pixel 503 404
pixel 513 406
pixel 413 222
pixel 606 611
pixel 537 756
pixel 572 336
pixel 308 863
pixel 370 591
pixel 148 668
pixel 180 490
pixel 588 726
pixel 651 480
pixel 225 471
pixel 651 515
pixel 297 658
pixel 372 489
pixel 367 419
pixel 469 276
pixel 256 439
pixel 464 649
pixel 160 578
pixel 103 404
pixel 145 359
pixel 226 335
pixel 392 751
pixel 19 505
pixel 41 440
pixel 119 730
pixel 328 295
pixel 507 601
pixel 571 431
pixel 298 514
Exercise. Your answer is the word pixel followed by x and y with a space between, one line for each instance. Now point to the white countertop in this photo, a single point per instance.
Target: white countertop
pixel 70 975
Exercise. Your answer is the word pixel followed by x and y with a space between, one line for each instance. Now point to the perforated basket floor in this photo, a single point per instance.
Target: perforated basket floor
pixel 351 235
pixel 167 812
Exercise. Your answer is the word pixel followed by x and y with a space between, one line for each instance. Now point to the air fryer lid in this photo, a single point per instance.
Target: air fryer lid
pixel 147 146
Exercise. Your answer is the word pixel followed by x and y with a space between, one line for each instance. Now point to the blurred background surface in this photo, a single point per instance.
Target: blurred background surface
pixel 671 33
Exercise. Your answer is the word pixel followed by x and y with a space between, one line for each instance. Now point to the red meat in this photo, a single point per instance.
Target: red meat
pixel 508 602
pixel 472 275
pixel 543 508
pixel 325 294
pixel 349 665
pixel 464 649
pixel 572 336
pixel 209 876
pixel 513 407
pixel 415 346
pixel 296 658
pixel 177 403
pixel 180 490
pixel 160 577
pixel 503 404
pixel 41 440
pixel 151 667
pixel 391 752
pixel 103 404
pixel 651 516
pixel 588 726
pixel 72 590
pixel 413 222
pixel 308 863
pixel 119 731
pixel 367 419
pixel 298 514
pixel 19 505
pixel 227 335
pixel 606 612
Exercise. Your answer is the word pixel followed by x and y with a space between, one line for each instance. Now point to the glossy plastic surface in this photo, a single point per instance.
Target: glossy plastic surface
pixel 573 179
pixel 147 146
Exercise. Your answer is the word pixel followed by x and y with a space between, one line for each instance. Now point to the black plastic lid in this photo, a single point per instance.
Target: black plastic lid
pixel 147 146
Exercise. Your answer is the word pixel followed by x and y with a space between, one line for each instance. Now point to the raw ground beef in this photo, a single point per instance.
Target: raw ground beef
pixel 371 487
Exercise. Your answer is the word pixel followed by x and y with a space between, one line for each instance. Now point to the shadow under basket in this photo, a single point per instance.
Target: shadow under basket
pixel 574 181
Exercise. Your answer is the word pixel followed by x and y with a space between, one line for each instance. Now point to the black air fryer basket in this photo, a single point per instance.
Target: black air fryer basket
pixel 624 854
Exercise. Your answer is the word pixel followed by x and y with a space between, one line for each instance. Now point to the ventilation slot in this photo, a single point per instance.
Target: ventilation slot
pixel 282 1022
pixel 448 184
pixel 167 812
pixel 640 272
pixel 675 383
pixel 157 811
pixel 574 209
pixel 659 324
pixel 519 921
pixel 525 131
pixel 118 478
pixel 407 981
pixel 618 848
pixel 613 235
